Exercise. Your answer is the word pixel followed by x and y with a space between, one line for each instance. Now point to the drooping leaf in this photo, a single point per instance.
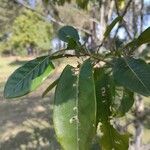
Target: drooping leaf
pixel 126 102
pixel 144 37
pixel 103 95
pixel 50 87
pixel 75 108
pixel 123 101
pixel 87 105
pixel 112 140
pixel 28 77
pixel 133 74
pixel 111 26
pixel 67 32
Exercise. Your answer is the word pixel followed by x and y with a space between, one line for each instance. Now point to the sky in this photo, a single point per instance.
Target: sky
pixel 121 32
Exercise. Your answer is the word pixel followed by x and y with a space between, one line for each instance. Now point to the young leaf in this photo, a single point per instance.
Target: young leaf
pixel 112 139
pixel 144 37
pixel 50 87
pixel 75 108
pixel 111 26
pixel 28 77
pixel 67 32
pixel 133 74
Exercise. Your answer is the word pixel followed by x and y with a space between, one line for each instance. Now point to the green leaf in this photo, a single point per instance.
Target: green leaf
pixel 133 74
pixel 82 3
pixel 126 102
pixel 67 32
pixel 75 108
pixel 72 44
pixel 144 37
pixel 103 94
pixel 111 26
pixel 112 139
pixel 28 77
pixel 132 45
pixel 50 87
pixel 123 101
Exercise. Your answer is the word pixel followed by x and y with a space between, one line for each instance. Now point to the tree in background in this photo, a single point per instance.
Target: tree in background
pixel 9 11
pixel 31 33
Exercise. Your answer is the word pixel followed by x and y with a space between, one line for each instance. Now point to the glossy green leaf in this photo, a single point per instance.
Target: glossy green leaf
pixel 67 32
pixel 133 74
pixel 28 77
pixel 111 26
pixel 50 87
pixel 111 139
pixel 75 108
pixel 144 37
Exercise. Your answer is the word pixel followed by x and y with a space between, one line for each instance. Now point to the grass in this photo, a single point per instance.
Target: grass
pixel 26 124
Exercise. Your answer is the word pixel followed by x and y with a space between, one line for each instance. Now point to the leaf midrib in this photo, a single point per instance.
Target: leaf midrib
pixel 136 75
pixel 29 73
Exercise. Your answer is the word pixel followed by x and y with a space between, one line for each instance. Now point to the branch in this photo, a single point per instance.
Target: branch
pixel 52 18
pixel 117 9
pixel 126 8
pixel 123 14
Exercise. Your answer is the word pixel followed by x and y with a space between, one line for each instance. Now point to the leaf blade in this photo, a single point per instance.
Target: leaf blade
pixel 133 74
pixel 50 87
pixel 144 37
pixel 67 32
pixel 126 102
pixel 70 109
pixel 28 77
pixel 112 139
pixel 111 26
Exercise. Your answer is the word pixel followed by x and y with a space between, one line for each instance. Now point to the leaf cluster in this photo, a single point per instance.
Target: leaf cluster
pixel 87 97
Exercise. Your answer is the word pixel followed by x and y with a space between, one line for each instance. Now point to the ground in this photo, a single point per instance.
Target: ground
pixel 26 123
